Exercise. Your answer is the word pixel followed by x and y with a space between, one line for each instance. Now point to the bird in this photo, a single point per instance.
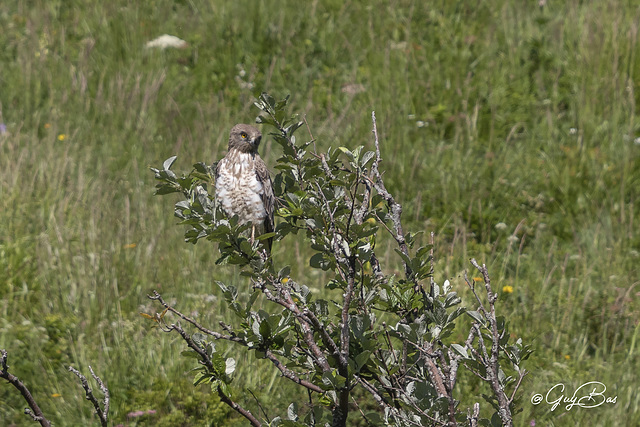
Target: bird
pixel 243 184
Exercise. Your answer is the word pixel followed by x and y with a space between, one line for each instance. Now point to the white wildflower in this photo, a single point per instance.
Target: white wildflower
pixel 165 41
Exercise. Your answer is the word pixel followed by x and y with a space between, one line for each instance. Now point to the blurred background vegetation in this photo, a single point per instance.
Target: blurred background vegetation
pixel 508 128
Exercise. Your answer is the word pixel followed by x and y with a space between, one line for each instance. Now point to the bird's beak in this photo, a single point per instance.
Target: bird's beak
pixel 256 141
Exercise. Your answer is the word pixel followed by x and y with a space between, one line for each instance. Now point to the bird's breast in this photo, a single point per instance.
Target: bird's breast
pixel 238 189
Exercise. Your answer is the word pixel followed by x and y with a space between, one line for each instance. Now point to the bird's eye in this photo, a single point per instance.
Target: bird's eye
pixel 243 135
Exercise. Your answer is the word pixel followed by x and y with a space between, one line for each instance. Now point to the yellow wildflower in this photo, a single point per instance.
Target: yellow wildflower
pixel 567 357
pixel 130 246
pixel 507 289
pixel 61 137
pixel 477 279
pixel 56 395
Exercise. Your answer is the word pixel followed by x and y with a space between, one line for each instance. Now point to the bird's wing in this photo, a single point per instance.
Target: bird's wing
pixel 268 198
pixel 216 169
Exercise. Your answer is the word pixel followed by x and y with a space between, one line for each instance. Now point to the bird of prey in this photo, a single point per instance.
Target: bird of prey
pixel 243 184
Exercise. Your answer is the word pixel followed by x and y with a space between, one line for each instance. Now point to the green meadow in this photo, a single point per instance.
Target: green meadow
pixel 509 129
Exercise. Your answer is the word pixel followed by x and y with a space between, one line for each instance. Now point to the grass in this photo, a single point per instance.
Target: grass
pixel 490 112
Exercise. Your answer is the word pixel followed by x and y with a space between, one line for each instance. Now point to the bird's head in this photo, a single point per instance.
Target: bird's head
pixel 244 138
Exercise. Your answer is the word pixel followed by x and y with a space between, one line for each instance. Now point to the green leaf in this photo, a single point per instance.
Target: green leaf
pixel 404 257
pixel 284 272
pixel 224 389
pixel 265 236
pixel 230 366
pixel 362 359
pixel 346 151
pixel 366 157
pixel 282 103
pixel 169 162
pixel 318 261
pixel 292 412
pixel 265 329
pixel 496 421
pixel 333 379
pixel 460 350
pixel 201 377
pixel 202 168
pixel 268 99
pixel 424 250
pixel 190 354
pixel 292 128
pixel 162 189
pixel 476 316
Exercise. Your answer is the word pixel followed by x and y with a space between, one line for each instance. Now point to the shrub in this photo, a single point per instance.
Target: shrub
pixel 390 336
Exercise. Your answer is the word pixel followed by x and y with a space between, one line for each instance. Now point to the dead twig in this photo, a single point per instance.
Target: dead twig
pixel 34 410
pixel 102 413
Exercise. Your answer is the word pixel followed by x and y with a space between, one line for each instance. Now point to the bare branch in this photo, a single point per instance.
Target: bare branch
pixel 102 414
pixel 206 360
pixel 394 207
pixel 264 412
pixel 305 323
pixel 156 296
pixel 239 409
pixel 374 392
pixel 455 359
pixel 523 373
pixel 104 390
pixel 432 261
pixel 288 373
pixel 33 416
pixel 437 377
pixel 35 413
pixel 492 364
pixel 473 418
